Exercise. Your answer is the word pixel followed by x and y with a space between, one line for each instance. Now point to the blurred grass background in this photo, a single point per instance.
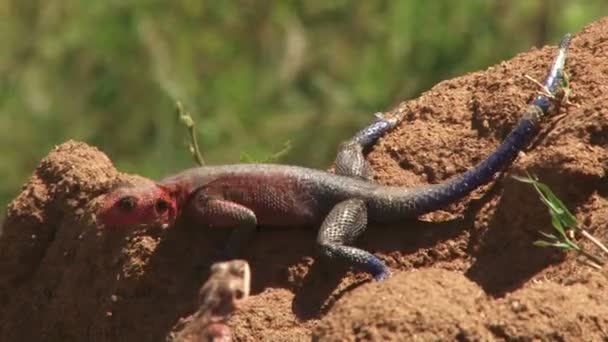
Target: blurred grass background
pixel 254 74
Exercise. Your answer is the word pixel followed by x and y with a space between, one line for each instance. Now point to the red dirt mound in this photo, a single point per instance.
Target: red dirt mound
pixel 469 272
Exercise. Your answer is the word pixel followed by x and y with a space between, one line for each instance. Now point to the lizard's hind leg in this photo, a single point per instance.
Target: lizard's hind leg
pixel 346 222
pixel 350 160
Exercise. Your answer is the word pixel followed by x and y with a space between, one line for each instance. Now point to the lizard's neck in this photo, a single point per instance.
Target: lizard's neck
pixel 179 192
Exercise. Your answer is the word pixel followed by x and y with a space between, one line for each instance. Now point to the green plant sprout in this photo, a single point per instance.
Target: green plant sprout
pixel 186 119
pixel 246 158
pixel 565 223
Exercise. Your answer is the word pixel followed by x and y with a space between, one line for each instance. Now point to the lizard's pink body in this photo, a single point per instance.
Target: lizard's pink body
pixel 274 196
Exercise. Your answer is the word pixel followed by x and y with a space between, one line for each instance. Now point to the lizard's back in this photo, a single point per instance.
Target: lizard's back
pixel 277 194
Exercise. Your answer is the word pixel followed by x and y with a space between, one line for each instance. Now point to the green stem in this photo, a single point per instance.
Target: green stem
pixel 187 120
pixel 196 152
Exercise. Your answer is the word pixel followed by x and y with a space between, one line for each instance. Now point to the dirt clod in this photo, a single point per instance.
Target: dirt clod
pixel 469 272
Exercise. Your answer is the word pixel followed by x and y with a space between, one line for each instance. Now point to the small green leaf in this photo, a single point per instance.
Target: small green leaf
pixel 560 245
pixel 279 154
pixel 564 245
pixel 543 243
pixel 557 224
pixel 555 205
pixel 550 236
pixel 524 179
pixel 246 158
pixel 561 219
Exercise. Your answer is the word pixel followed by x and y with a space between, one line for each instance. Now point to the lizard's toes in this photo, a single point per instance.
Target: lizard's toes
pixel 382 275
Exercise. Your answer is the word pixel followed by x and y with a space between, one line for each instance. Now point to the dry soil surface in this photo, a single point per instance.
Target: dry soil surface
pixel 467 273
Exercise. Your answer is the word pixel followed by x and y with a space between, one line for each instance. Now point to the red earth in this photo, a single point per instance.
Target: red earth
pixel 469 272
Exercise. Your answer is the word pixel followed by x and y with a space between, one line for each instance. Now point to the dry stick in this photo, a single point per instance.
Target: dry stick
pixel 544 91
pixel 594 258
pixel 590 263
pixel 594 240
pixel 186 119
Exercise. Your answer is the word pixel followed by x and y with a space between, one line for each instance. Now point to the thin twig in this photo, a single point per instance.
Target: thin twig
pixel 594 240
pixel 593 258
pixel 544 90
pixel 590 263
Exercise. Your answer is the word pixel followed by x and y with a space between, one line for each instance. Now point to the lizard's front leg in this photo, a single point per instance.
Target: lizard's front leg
pixel 346 222
pixel 215 211
pixel 350 160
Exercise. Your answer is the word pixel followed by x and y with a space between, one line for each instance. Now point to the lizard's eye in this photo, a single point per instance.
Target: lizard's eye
pixel 161 206
pixel 127 203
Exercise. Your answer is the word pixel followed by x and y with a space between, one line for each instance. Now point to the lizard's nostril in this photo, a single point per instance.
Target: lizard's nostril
pixel 127 203
pixel 161 206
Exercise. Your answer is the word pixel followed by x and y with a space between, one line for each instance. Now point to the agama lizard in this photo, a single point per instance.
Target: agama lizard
pixel 247 195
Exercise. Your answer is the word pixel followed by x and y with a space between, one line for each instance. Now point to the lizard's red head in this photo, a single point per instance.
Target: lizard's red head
pixel 148 204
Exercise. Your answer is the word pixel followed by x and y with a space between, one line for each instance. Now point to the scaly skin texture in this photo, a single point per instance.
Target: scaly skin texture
pixel 246 195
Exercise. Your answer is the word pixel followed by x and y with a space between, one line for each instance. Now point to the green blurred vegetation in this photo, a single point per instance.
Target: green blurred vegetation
pixel 253 73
